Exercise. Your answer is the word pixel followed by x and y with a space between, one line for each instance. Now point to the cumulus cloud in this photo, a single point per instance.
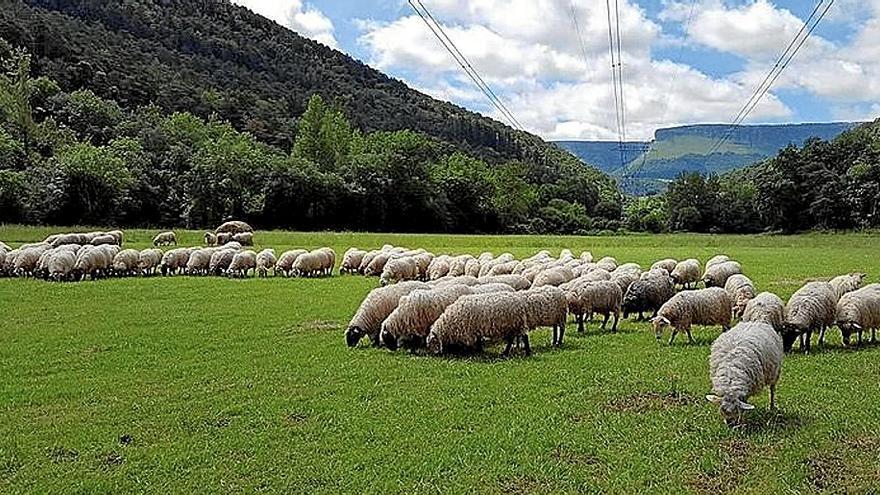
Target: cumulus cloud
pixel 294 14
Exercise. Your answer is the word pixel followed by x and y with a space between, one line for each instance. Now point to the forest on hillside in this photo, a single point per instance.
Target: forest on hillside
pixel 69 158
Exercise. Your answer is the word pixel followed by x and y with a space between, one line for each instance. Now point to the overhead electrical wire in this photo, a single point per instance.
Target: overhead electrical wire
pixel 463 62
pixel 617 78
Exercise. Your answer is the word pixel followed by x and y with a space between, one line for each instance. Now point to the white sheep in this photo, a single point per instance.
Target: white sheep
pixel 399 269
pixel 858 311
pixel 149 260
pixel 458 263
pixel 607 263
pixel 351 260
pixel 103 239
pixel 439 267
pixel 475 320
pixel 61 265
pixel 546 306
pixel 741 290
pixel 125 263
pixel 812 307
pixel 165 239
pixel 199 262
pixel 554 276
pixel 244 238
pixel 694 307
pixel 743 361
pixel 717 274
pixel 767 308
pixel 847 283
pixel 311 264
pixel 717 259
pixel 265 262
pixel 287 259
pixel 667 264
pixel 220 261
pixel 242 262
pixel 516 281
pixel 408 325
pixel 378 304
pixel 686 273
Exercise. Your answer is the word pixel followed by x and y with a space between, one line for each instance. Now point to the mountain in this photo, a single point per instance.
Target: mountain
pixel 684 149
pixel 213 58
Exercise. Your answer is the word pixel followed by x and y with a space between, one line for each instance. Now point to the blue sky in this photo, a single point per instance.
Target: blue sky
pixel 685 61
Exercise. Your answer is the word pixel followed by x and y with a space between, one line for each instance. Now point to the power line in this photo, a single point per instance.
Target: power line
pixel 616 81
pixel 781 64
pixel 463 62
pixel 580 37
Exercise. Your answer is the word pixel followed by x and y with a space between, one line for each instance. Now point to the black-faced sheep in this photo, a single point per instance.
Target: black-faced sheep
pixel 648 294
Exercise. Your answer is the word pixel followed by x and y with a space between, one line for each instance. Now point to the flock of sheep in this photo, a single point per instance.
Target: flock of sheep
pixel 463 303
pixel 93 255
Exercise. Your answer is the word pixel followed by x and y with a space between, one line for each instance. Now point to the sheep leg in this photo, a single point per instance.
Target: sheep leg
pixel 526 344
pixel 580 320
pixel 506 352
pixel 808 340
pixel 616 319
pixel 672 338
pixel 690 337
pixel 561 333
pixel 773 397
pixel 873 335
pixel 605 321
pixel 822 335
pixel 860 338
pixel 553 337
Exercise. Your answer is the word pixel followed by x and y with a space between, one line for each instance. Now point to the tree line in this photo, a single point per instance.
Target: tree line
pixel 76 158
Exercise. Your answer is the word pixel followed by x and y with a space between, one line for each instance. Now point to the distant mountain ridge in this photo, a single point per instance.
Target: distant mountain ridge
pixel 686 148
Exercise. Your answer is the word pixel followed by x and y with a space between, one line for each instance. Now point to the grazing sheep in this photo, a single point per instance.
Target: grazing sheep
pixel 9 261
pixel 812 307
pixel 351 260
pixel 91 262
pixel 516 281
pixel 554 276
pixel 686 273
pixel 741 290
pixel 847 283
pixel 489 288
pixel 744 361
pixel 472 267
pixel 858 311
pixel 624 278
pixel 717 274
pixel 695 307
pixel 265 262
pixel 377 264
pixel 329 260
pixel 61 265
pixel 199 262
pixel 233 227
pixel 311 264
pixel 628 267
pixel 503 268
pixel 287 259
pixel 546 306
pixel 586 257
pixel 717 259
pixel 668 264
pixel 475 320
pixel 149 260
pixel 118 235
pixel 408 325
pixel 648 294
pixel 224 238
pixel 173 261
pixel 220 261
pixel 125 263
pixel 242 262
pixel 607 263
pixel 210 239
pixel 26 262
pixel 456 266
pixel 375 308
pixel 767 308
pixel 603 297
pixel 596 275
pixel 399 269
pixel 165 239
pixel 439 267
pixel 244 238
pixel 462 280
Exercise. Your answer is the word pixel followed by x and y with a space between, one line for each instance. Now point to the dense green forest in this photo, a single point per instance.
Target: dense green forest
pixel 76 158
pixel 822 185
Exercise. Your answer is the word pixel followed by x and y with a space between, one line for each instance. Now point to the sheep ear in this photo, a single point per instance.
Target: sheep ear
pixel 745 406
pixel 714 399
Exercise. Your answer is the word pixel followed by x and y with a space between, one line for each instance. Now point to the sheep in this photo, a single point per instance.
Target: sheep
pixel 329 260
pixel 439 267
pixel 462 280
pixel 456 266
pixel 566 254
pixel 472 321
pixel 63 239
pixel 596 275
pixel 89 262
pixel 351 260
pixel 399 269
pixel 546 306
pixel 173 261
pixel 648 294
pixel 233 227
pixel 408 325
pixel 117 235
pixel 607 263
pixel 489 288
pixel 696 307
pixel 199 262
pixel 516 281
pixel 624 279
pixel 858 311
pixel 287 259
pixel 165 239
pixel 378 304
pixel 472 267
pixel 242 262
pixel 42 268
pixel 125 263
pixel 847 283
pixel 61 265
pixel 487 267
pixel 26 262
pixel 742 362
pixel 266 261
pixel 586 257
pixel 224 238
pixel 149 260
pixel 717 259
pixel 628 267
pixel 767 308
pixel 502 268
pixel 311 264
pixel 210 239
pixel 741 290
pixel 244 238
pixel 717 274
pixel 221 260
pixel 603 297
pixel 554 276
pixel 667 264
pixel 377 264
pixel 5 247
pixel 686 273
pixel 813 306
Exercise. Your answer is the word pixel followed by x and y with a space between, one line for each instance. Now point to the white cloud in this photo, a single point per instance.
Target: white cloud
pixel 293 14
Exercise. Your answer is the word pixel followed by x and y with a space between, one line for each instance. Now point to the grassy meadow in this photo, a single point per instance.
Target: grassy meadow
pixel 213 385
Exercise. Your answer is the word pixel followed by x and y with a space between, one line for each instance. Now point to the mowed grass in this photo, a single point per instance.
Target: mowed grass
pixel 212 385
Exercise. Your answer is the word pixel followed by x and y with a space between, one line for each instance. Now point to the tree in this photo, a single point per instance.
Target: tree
pixel 93 181
pixel 15 96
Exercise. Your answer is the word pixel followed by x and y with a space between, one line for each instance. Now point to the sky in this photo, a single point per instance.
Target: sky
pixel 684 61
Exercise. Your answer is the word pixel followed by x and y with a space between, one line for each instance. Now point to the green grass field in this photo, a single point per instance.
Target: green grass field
pixel 214 385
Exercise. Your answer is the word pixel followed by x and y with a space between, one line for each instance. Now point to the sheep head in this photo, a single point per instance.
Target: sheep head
pixel 731 408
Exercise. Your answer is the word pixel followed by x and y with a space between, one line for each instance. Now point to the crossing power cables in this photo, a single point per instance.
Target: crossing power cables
pixel 781 63
pixel 463 62
pixel 614 50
